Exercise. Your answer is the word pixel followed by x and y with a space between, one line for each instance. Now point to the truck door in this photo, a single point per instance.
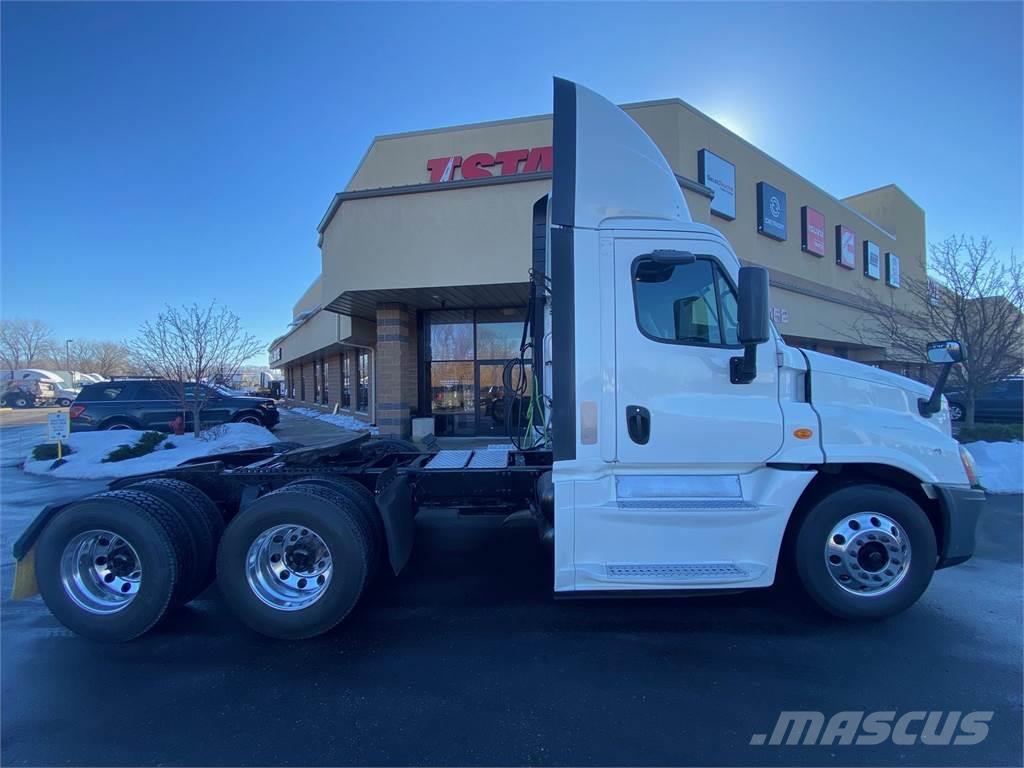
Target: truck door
pixel 675 325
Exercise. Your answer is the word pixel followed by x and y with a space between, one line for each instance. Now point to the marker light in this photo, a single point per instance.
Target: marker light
pixel 803 433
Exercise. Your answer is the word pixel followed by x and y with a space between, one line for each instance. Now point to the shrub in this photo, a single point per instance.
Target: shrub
pixel 47 451
pixel 168 445
pixel 147 444
pixel 991 433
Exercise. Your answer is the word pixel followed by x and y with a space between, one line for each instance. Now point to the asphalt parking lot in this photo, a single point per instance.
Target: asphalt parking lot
pixel 466 659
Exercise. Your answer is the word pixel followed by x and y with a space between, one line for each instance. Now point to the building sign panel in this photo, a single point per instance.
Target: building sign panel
pixel 892 269
pixel 812 231
pixel 872 260
pixel 480 165
pixel 846 247
pixel 771 211
pixel 720 175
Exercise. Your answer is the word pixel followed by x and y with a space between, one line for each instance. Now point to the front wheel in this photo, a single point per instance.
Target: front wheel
pixel 865 552
pixel 956 412
pixel 64 402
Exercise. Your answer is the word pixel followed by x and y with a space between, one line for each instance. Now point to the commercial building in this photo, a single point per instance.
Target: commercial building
pixel 426 258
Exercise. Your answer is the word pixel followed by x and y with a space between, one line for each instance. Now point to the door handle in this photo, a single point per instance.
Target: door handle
pixel 638 422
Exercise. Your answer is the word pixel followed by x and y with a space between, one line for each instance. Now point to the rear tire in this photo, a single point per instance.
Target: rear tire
pixel 204 526
pixel 293 563
pixel 119 424
pixel 363 503
pixel 865 552
pixel 64 403
pixel 956 412
pixel 19 401
pixel 98 531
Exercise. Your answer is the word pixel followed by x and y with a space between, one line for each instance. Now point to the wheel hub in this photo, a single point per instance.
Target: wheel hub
pixel 100 571
pixel 867 553
pixel 288 567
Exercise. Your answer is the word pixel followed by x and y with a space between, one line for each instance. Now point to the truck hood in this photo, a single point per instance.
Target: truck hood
pixel 848 368
pixel 870 416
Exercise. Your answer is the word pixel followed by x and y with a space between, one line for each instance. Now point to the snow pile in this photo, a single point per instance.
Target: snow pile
pixel 90 448
pixel 1000 466
pixel 337 419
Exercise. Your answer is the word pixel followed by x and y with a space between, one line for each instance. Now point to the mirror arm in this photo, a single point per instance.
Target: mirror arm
pixel 934 403
pixel 743 370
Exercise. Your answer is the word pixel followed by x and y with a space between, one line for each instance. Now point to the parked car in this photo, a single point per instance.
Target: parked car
pixel 1001 403
pixel 154 404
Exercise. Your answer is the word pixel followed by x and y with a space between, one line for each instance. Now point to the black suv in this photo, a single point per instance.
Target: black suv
pixel 1002 402
pixel 154 404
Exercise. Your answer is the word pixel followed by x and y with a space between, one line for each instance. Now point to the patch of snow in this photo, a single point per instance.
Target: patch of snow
pixel 338 419
pixel 1000 465
pixel 90 448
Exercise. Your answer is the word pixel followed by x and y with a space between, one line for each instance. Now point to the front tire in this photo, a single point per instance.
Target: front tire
pixel 865 552
pixel 956 412
pixel 64 402
pixel 294 563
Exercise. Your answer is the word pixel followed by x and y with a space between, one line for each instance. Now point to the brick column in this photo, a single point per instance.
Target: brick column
pixel 395 369
pixel 333 380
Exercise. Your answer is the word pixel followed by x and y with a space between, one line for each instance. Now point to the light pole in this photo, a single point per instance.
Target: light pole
pixel 67 359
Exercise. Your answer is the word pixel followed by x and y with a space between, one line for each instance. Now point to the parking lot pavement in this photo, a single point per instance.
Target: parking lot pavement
pixel 16 417
pixel 466 659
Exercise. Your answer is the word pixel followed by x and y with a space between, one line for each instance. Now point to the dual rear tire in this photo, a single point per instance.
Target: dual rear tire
pixel 295 562
pixel 109 566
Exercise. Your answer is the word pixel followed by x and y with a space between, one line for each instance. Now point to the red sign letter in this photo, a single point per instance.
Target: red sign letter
pixel 472 167
pixel 539 160
pixel 442 168
pixel 509 160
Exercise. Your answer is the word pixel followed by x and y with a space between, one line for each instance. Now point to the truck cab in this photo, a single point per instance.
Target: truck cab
pixel 693 448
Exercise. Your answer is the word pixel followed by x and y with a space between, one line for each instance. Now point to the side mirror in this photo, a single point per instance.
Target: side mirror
pixel 753 326
pixel 753 323
pixel 946 352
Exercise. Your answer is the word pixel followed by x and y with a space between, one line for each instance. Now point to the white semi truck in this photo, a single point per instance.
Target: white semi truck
pixel 675 445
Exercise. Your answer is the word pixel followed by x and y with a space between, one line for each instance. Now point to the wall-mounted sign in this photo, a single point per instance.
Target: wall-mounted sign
pixel 720 175
pixel 780 315
pixel 872 261
pixel 480 165
pixel 846 247
pixel 771 211
pixel 812 231
pixel 892 269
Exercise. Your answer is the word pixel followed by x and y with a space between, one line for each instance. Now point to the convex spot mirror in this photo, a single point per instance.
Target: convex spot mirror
pixel 946 352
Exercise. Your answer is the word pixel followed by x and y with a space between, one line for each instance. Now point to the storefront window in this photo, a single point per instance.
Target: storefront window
pixel 363 374
pixel 346 381
pixel 316 382
pixel 463 364
pixel 302 382
pixel 323 383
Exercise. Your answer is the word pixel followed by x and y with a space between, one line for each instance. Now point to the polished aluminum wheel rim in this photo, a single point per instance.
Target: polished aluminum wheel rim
pixel 288 567
pixel 867 554
pixel 100 571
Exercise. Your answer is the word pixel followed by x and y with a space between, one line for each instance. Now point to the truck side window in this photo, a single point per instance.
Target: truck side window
pixel 684 303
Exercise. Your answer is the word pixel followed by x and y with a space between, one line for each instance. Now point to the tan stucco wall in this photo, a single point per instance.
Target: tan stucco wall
pixel 321 330
pixel 310 299
pixel 481 235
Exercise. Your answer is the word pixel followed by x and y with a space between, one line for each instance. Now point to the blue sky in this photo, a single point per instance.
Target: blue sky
pixel 174 152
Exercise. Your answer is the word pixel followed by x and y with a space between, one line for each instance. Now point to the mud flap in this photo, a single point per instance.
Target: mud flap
pixel 394 500
pixel 25 585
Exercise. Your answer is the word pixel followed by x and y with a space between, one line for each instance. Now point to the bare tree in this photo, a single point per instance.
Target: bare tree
pixel 107 358
pixel 25 343
pixel 191 345
pixel 972 296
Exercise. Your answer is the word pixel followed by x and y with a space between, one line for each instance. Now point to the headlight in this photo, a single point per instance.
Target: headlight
pixel 969 468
